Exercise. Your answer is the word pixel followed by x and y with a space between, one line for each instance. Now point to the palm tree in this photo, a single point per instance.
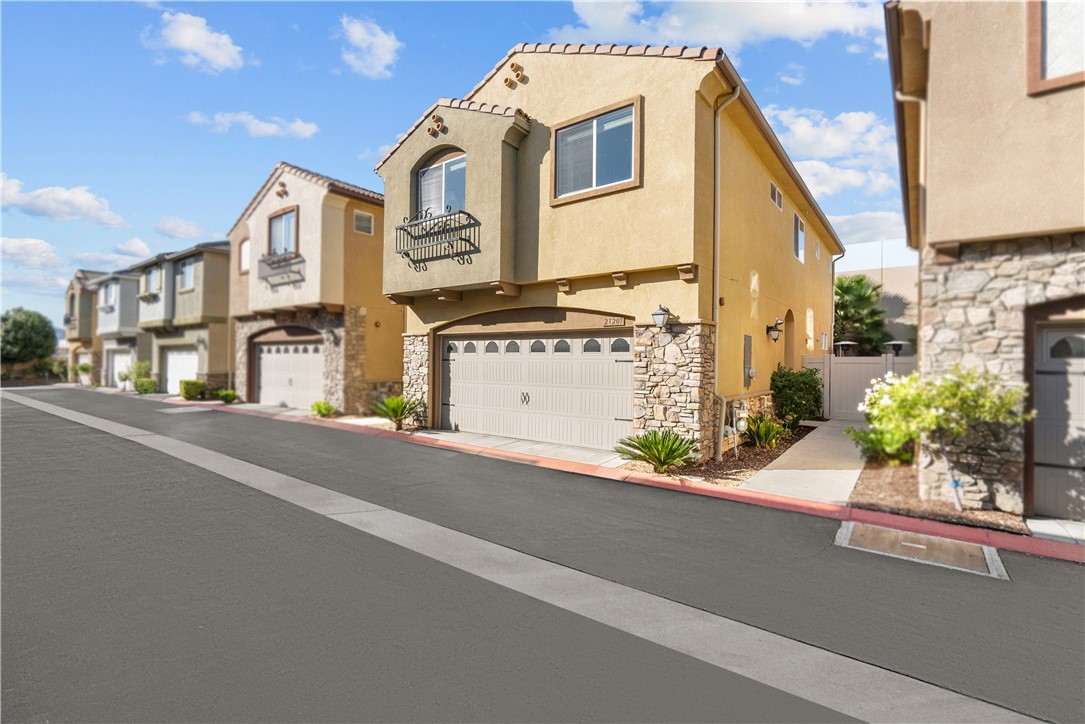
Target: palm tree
pixel 859 316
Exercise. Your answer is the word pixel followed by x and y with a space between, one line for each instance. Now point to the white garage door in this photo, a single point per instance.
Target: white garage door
pixel 1059 473
pixel 118 361
pixel 179 364
pixel 289 374
pixel 573 390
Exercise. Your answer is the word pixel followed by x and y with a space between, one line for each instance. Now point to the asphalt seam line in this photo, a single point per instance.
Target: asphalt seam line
pixel 833 680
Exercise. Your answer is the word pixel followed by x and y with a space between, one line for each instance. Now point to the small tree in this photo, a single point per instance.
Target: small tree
pixel 859 316
pixel 25 336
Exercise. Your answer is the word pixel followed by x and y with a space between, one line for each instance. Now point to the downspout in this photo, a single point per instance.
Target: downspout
pixel 921 214
pixel 716 111
pixel 825 373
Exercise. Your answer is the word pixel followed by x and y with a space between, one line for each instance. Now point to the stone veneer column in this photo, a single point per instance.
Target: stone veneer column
pixel 972 313
pixel 674 382
pixel 416 371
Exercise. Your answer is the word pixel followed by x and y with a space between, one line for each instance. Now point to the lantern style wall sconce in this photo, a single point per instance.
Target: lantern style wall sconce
pixel 896 345
pixel 661 316
pixel 773 330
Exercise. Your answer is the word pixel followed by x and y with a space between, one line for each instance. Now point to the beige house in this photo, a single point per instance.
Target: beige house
pixel 80 325
pixel 117 326
pixel 990 99
pixel 309 320
pixel 572 194
pixel 184 306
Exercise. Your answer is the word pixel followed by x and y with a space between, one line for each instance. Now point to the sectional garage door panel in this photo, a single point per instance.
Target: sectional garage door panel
pixel 574 390
pixel 179 364
pixel 290 374
pixel 1059 440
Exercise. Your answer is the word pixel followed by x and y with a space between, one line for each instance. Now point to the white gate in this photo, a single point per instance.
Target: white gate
pixel 846 379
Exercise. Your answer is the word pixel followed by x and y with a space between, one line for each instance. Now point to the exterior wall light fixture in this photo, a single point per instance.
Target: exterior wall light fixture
pixel 896 346
pixel 773 330
pixel 661 316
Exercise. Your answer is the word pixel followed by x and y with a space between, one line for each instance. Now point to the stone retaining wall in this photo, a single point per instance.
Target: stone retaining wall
pixel 972 313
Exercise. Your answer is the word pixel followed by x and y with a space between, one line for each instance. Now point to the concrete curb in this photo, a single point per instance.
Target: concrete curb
pixel 980 536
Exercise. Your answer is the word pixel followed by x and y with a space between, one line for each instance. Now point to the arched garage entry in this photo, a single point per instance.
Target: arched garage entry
pixel 552 375
pixel 286 367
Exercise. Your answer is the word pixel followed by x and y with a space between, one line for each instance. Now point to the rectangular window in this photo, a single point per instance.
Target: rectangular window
pixel 817 249
pixel 800 239
pixel 441 187
pixel 283 233
pixel 825 340
pixel 595 153
pixel 243 257
pixel 150 280
pixel 1056 45
pixel 110 292
pixel 776 196
pixel 187 272
pixel 363 222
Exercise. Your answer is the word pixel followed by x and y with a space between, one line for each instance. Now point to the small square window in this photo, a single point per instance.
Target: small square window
pixel 363 223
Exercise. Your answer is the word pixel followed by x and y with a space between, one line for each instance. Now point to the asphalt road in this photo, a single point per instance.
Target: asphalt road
pixel 115 555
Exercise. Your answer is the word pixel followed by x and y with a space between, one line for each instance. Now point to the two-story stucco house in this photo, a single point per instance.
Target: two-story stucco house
pixel 123 343
pixel 184 306
pixel 574 194
pixel 80 323
pixel 309 318
pixel 990 99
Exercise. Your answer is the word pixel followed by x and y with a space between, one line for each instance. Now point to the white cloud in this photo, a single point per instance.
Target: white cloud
pixel 29 252
pixel 809 133
pixel 369 153
pixel 793 74
pixel 730 25
pixel 199 46
pixel 373 50
pixel 178 228
pixel 133 247
pixel 43 284
pixel 824 179
pixel 255 127
pixel 855 49
pixel 868 226
pixel 59 203
pixel 103 261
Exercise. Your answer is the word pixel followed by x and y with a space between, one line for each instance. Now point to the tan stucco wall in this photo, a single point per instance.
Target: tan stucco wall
pixel 362 271
pixel 207 300
pixel 999 163
pixel 213 357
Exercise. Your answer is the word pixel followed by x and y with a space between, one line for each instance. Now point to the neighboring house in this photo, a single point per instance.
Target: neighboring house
pixel 899 301
pixel 309 320
pixel 989 105
pixel 123 343
pixel 562 202
pixel 184 305
pixel 80 323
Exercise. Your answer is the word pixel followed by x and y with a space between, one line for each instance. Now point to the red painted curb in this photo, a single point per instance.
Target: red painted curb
pixel 980 536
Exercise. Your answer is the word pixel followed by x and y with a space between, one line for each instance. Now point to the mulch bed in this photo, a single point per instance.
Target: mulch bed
pixel 730 472
pixel 895 489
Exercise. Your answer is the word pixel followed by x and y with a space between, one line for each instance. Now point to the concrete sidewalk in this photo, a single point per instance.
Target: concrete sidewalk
pixel 824 467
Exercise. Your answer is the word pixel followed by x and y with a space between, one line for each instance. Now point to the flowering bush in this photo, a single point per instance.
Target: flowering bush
pixel 900 409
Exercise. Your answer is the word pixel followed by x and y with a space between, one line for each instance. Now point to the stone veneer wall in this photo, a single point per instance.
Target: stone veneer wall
pixel 330 325
pixel 416 371
pixel 972 313
pixel 674 382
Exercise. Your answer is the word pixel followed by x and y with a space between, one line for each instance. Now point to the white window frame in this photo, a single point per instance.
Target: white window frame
pixel 109 291
pixel 817 248
pixel 799 239
pixel 595 155
pixel 294 229
pixel 187 268
pixel 153 273
pixel 372 220
pixel 243 262
pixel 444 171
pixel 776 195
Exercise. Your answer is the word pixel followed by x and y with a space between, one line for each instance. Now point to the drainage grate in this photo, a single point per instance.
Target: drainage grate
pixel 179 410
pixel 931 550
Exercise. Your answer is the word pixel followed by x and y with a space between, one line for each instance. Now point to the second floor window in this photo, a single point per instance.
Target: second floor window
pixel 150 280
pixel 187 273
pixel 800 239
pixel 363 222
pixel 594 153
pixel 243 256
pixel 109 291
pixel 443 186
pixel 283 233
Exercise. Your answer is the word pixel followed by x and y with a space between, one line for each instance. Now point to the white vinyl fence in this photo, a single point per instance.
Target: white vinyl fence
pixel 846 379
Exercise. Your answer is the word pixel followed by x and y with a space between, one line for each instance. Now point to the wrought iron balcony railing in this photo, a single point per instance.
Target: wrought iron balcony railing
pixel 281 269
pixel 424 238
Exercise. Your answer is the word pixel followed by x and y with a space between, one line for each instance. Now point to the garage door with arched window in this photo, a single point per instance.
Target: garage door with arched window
pixel 288 367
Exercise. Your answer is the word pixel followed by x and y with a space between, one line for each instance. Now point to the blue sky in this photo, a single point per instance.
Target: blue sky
pixel 134 128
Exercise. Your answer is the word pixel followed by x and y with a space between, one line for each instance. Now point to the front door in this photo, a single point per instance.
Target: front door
pixel 1059 447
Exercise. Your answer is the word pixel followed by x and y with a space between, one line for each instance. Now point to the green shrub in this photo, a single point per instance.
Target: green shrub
pixel 146 386
pixel 796 395
pixel 764 432
pixel 398 409
pixel 323 409
pixel 141 370
pixel 43 368
pixel 660 448
pixel 898 410
pixel 191 389
pixel 227 396
pixel 84 368
pixel 60 368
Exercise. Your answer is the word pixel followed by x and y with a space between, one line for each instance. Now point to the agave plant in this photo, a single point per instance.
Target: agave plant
pixel 398 409
pixel 764 432
pixel 660 448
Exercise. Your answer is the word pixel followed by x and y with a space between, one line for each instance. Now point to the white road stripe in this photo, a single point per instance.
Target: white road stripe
pixel 832 680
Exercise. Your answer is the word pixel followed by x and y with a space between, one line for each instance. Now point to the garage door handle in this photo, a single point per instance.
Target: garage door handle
pixel 624 361
pixel 623 419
